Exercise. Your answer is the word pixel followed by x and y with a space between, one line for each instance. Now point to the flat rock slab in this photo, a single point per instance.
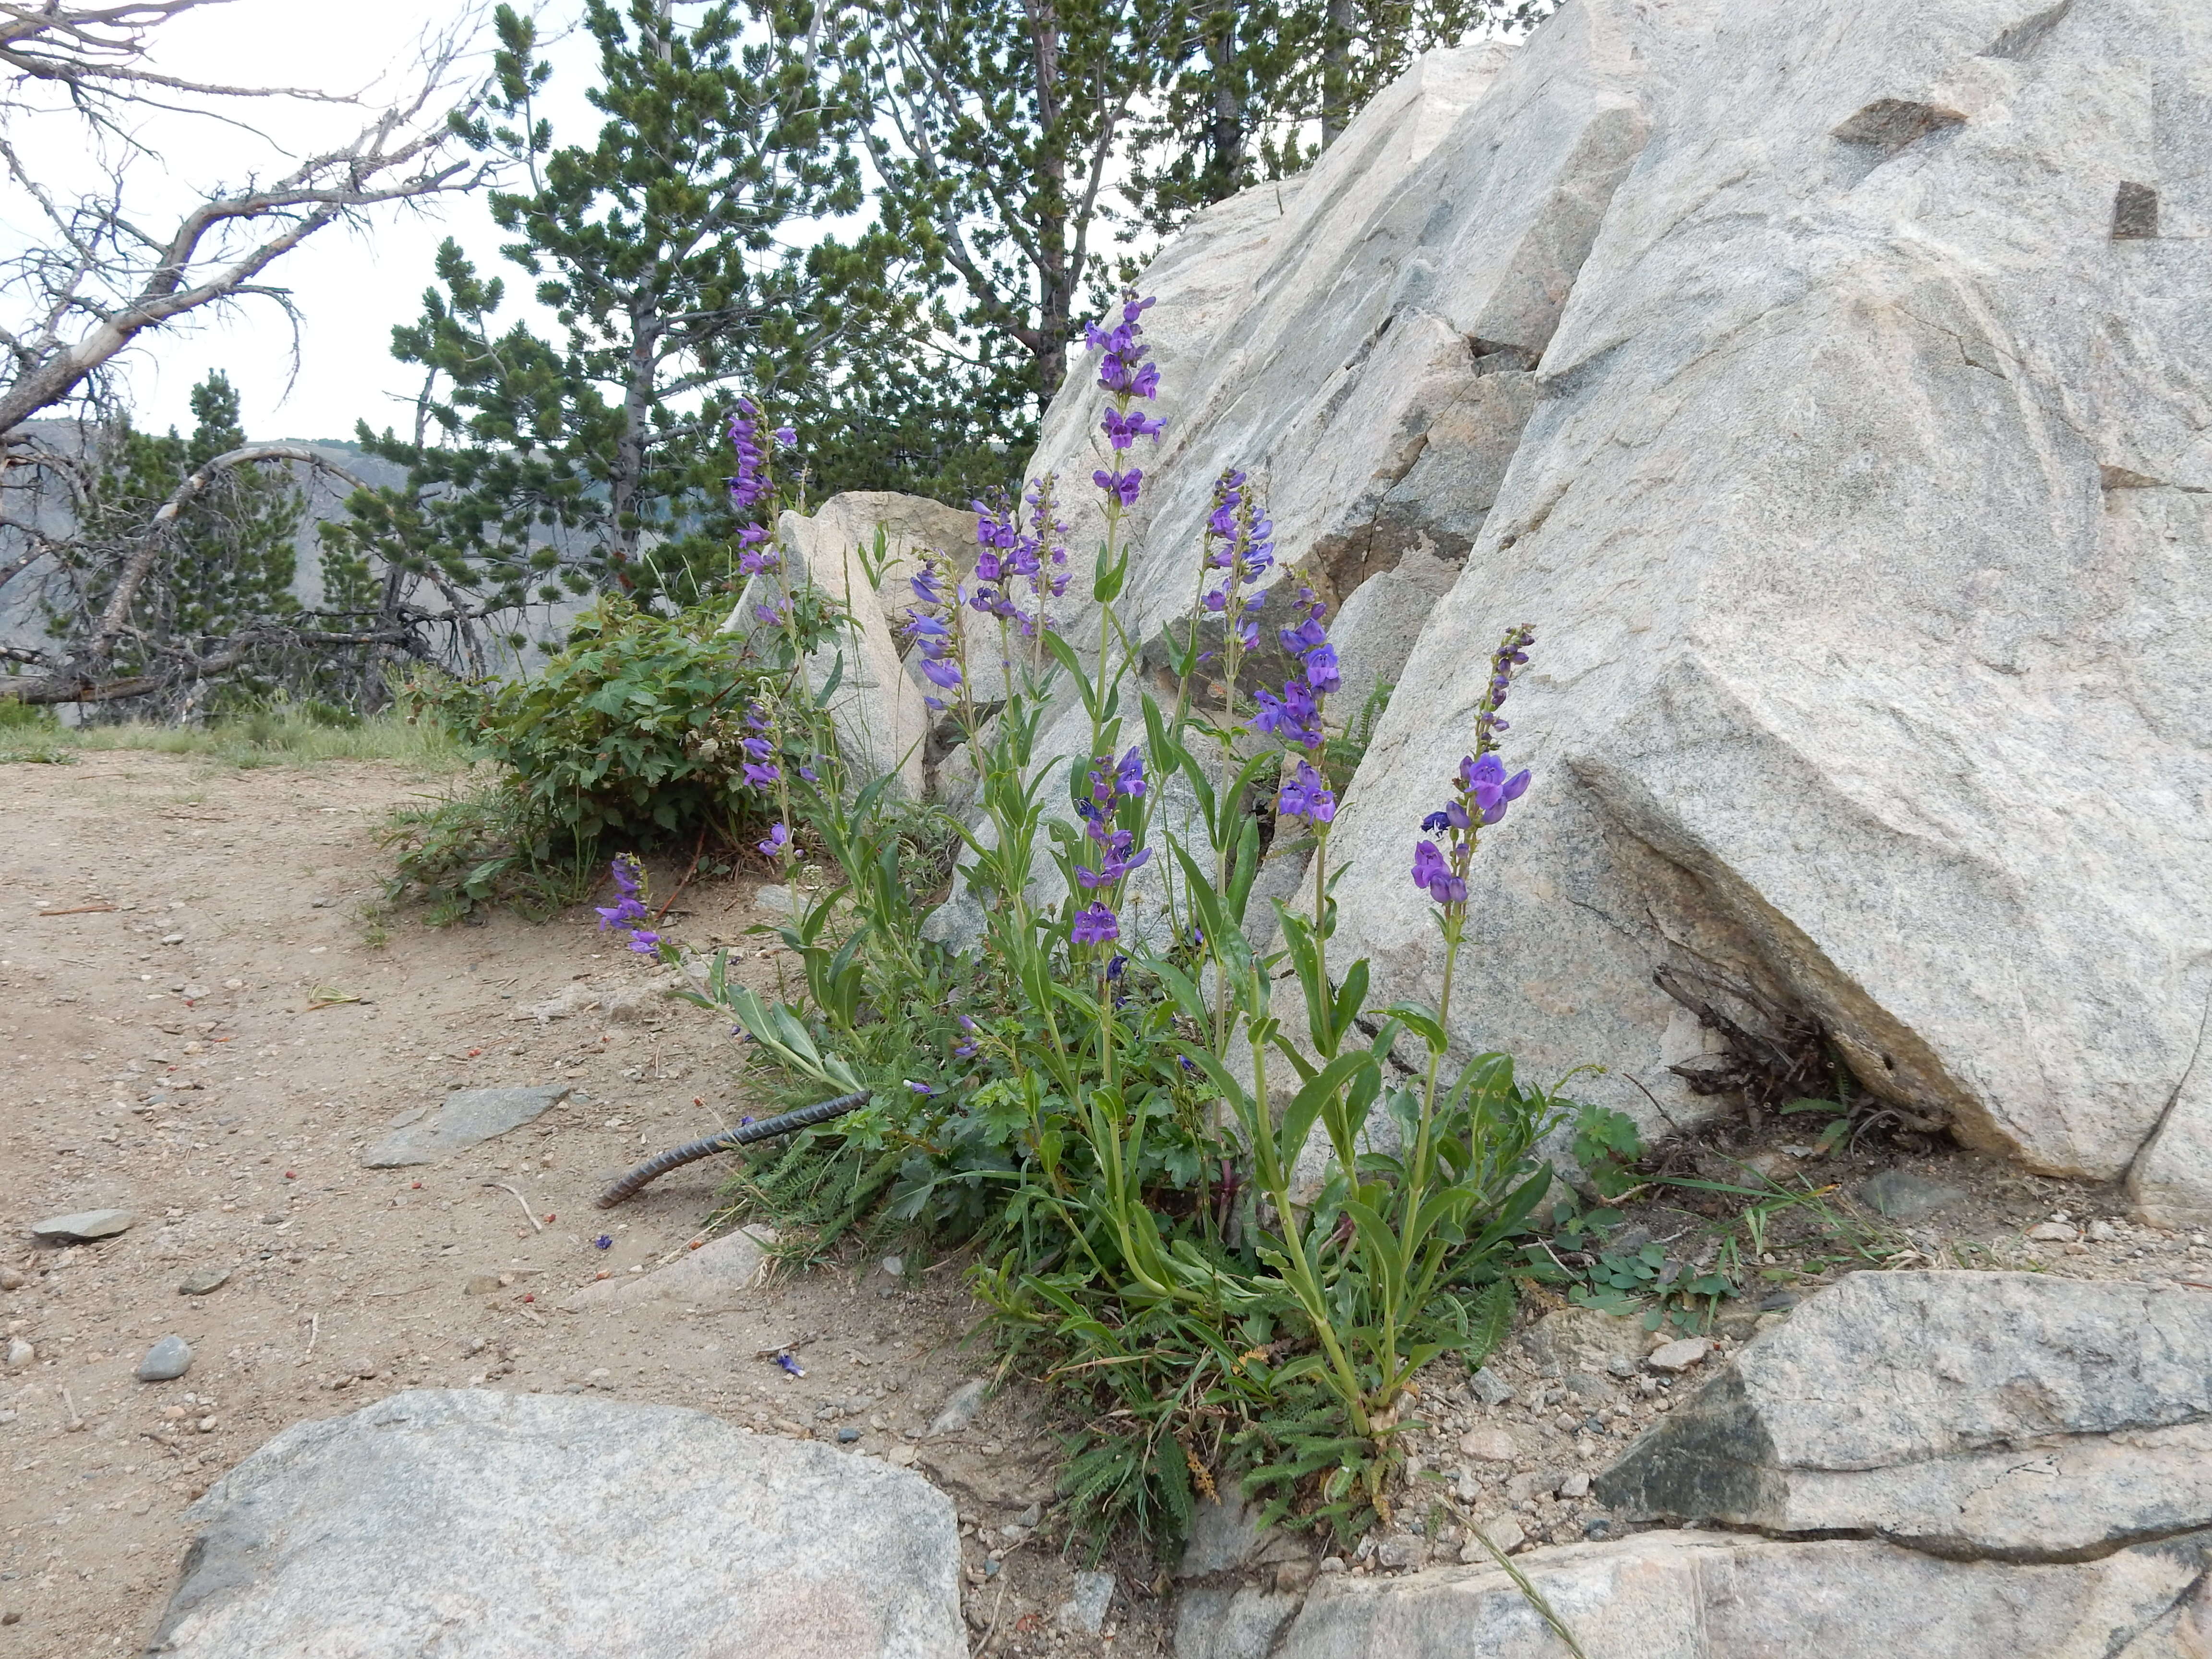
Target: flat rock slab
pixel 477 1525
pixel 80 1226
pixel 2013 1414
pixel 710 1276
pixel 468 1118
pixel 1703 1596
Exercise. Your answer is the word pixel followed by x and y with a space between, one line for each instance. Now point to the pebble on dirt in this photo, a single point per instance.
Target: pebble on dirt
pixel 1678 1356
pixel 203 1280
pixel 166 1360
pixel 1089 1595
pixel 19 1352
pixel 83 1225
pixel 960 1409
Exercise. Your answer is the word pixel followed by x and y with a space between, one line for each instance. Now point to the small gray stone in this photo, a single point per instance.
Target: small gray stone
pixel 776 900
pixel 1576 1485
pixel 1083 1613
pixel 1505 1535
pixel 468 1118
pixel 83 1225
pixel 1400 1550
pixel 19 1352
pixel 166 1360
pixel 959 1411
pixel 201 1280
pixel 1489 1386
pixel 1675 1357
pixel 1904 1197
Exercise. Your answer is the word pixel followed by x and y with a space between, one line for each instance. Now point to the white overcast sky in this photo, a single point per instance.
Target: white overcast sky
pixel 351 287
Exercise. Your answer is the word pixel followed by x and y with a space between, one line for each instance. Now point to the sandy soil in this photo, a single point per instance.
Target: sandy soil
pixel 165 1056
pixel 167 929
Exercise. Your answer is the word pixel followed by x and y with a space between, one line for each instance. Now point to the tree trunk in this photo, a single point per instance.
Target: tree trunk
pixel 1336 71
pixel 1056 282
pixel 628 475
pixel 1225 159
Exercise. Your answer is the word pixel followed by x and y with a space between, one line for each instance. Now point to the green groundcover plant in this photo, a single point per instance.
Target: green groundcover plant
pixel 1230 1233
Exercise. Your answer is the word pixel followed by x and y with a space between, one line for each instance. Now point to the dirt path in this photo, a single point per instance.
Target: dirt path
pixel 165 1057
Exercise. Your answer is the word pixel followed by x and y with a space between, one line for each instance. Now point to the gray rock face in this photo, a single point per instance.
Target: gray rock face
pixel 468 1118
pixel 1989 1414
pixel 1691 1595
pixel 1824 382
pixel 82 1224
pixel 166 1361
pixel 488 1526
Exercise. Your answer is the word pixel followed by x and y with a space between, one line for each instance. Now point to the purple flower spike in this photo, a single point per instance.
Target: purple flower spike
pixel 1096 926
pixel 1122 486
pixel 778 843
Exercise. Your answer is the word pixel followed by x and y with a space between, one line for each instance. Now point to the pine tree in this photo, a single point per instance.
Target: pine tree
pixel 667 247
pixel 230 563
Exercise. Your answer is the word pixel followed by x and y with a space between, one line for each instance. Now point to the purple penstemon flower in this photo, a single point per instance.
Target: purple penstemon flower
pixel 1306 794
pixel 1483 794
pixel 778 843
pixel 1094 925
pixel 1293 717
pixel 1121 486
pixel 629 911
pixel 1124 429
pixel 933 624
pixel 753 482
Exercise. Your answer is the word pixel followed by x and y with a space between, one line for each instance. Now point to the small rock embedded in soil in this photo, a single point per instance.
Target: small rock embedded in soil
pixel 203 1280
pixel 960 1409
pixel 2052 1232
pixel 468 1118
pixel 1490 1388
pixel 1903 1196
pixel 83 1225
pixel 1505 1535
pixel 19 1352
pixel 11 1280
pixel 166 1360
pixel 1678 1356
pixel 1083 1613
pixel 1490 1445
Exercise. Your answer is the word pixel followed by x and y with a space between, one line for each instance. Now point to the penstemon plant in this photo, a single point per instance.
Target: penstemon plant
pixel 1103 1093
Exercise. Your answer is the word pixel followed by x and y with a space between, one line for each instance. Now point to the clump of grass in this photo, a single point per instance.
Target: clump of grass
pixel 301 735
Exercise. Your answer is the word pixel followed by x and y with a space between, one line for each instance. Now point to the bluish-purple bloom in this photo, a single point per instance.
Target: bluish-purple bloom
pixel 1430 871
pixel 1122 486
pixel 1293 717
pixel 1123 430
pixel 1306 794
pixel 777 843
pixel 1095 926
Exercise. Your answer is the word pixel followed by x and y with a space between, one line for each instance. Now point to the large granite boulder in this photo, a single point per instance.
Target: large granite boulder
pixel 477 1525
pixel 2012 1415
pixel 1828 384
pixel 877 710
pixel 1708 1596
